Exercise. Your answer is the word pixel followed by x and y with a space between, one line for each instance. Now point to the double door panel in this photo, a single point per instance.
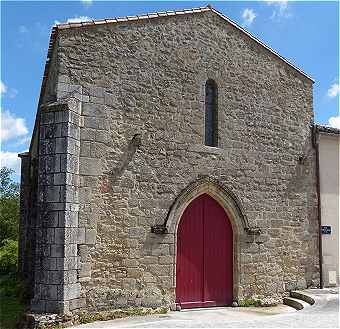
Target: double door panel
pixel 204 266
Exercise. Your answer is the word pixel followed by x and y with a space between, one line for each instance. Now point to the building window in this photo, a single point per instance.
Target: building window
pixel 211 126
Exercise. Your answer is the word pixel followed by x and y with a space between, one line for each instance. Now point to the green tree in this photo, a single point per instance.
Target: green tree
pixel 9 206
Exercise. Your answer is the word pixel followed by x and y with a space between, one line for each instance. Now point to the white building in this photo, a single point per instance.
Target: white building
pixel 329 168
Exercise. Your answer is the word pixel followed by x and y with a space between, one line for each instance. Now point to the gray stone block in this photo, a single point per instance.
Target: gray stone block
pixel 55 206
pixel 71 291
pixel 61 264
pixel 90 122
pixel 85 149
pixel 62 116
pixel 90 236
pixel 57 250
pixel 68 219
pixel 56 163
pixel 55 277
pixel 71 130
pixel 110 99
pixel 52 306
pixel 95 91
pixel 87 134
pixel 94 110
pixel 49 235
pixel 85 98
pixel 49 264
pixel 135 232
pixel 53 194
pixel 73 146
pixel 71 235
pixel 74 117
pixel 74 304
pixel 69 163
pixel 59 179
pixel 103 136
pixel 85 270
pixel 71 276
pixel 62 87
pixel 47 118
pixel 47 147
pixel 90 166
pixel 38 306
pixel 63 78
pixel 59 235
pixel 46 252
pixel 51 292
pixel 81 235
pixel 96 100
pixel 71 250
pixel 61 145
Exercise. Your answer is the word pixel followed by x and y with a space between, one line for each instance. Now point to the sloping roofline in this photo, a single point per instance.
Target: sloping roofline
pixel 56 28
pixel 177 13
pixel 327 130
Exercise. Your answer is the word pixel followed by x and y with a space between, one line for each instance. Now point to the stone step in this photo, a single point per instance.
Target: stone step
pixel 303 296
pixel 298 304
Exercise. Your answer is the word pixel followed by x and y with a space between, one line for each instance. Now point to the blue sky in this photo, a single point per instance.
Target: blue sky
pixel 304 32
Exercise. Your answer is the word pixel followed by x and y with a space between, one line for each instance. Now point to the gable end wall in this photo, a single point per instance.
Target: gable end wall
pixel 147 78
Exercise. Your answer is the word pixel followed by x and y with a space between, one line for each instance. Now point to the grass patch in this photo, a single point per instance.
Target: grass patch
pixel 11 306
pixel 118 314
pixel 247 302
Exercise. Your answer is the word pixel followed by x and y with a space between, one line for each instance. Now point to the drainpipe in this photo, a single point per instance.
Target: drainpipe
pixel 317 167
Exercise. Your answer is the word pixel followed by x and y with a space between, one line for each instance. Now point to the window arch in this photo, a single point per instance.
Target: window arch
pixel 211 126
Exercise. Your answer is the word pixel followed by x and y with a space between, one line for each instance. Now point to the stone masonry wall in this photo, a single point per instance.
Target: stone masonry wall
pixel 147 78
pixel 26 245
pixel 56 285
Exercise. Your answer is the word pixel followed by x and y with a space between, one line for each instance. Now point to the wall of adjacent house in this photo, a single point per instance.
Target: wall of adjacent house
pixel 329 157
pixel 148 78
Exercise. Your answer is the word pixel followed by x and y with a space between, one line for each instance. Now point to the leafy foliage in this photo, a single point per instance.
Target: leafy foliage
pixel 11 301
pixel 8 255
pixel 8 188
pixel 9 206
pixel 13 292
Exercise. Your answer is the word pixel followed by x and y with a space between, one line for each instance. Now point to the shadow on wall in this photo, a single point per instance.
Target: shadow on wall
pixel 301 180
pixel 127 156
pixel 301 192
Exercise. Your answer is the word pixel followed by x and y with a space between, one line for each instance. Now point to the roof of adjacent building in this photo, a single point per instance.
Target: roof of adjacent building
pixel 327 129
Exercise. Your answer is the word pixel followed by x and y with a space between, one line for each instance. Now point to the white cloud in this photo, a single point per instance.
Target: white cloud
pixel 11 126
pixel 23 29
pixel 334 90
pixel 76 19
pixel 3 88
pixel 334 122
pixel 23 141
pixel 10 160
pixel 281 8
pixel 12 93
pixel 87 3
pixel 248 16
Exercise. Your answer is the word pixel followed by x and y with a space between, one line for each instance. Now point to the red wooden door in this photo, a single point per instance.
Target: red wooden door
pixel 204 267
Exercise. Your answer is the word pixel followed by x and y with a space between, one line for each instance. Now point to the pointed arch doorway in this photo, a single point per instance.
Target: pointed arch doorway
pixel 204 264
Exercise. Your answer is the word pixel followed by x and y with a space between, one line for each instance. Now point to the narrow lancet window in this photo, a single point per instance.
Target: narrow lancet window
pixel 211 113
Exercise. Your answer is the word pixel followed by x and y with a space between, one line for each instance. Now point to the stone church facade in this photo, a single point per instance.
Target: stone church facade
pixel 121 149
